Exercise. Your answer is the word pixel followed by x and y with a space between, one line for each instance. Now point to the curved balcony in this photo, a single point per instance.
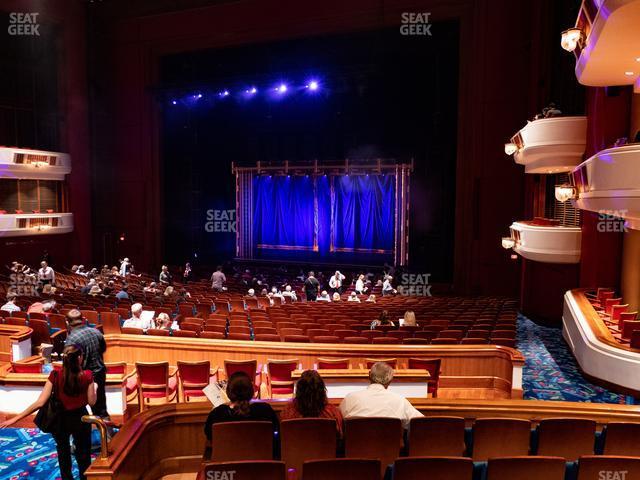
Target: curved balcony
pixel 25 163
pixel 546 241
pixel 27 224
pixel 609 183
pixel 610 50
pixel 551 145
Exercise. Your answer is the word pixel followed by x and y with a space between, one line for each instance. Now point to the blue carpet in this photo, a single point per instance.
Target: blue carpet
pixel 29 453
pixel 551 371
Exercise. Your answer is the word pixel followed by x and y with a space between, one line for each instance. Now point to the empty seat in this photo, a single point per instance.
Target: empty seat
pixel 385 340
pixel 267 337
pixel 500 437
pixel 433 468
pixel 341 469
pixel 355 340
pixel 155 381
pixel 193 376
pixel 568 438
pixel 392 362
pixel 246 440
pixel 622 439
pixel 374 438
pixel 325 339
pixel 526 468
pixel 333 363
pixel 280 381
pixel 608 467
pixel 437 436
pixel 305 438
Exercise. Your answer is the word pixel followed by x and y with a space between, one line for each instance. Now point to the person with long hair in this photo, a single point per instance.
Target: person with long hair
pixel 240 391
pixel 311 401
pixel 75 390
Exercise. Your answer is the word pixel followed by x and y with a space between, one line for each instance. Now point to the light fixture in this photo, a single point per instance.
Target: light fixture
pixel 39 163
pixel 510 148
pixel 571 38
pixel 224 93
pixel 282 88
pixel 629 73
pixel 565 192
pixel 251 91
pixel 312 85
pixel 508 242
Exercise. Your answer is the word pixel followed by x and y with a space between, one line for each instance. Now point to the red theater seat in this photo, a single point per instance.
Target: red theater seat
pixel 247 440
pixel 193 376
pixel 155 382
pixel 526 468
pixel 341 469
pixel 438 468
pixel 373 438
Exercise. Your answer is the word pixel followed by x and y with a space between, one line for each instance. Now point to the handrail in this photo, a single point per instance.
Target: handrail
pixel 102 429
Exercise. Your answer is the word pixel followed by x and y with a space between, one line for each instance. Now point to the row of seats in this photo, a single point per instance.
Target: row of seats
pixel 622 323
pixel 431 468
pixel 381 439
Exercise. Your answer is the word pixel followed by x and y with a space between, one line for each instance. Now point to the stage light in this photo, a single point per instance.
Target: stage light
pixel 224 93
pixel 312 85
pixel 282 88
pixel 251 91
pixel 199 95
pixel 174 102
pixel 571 38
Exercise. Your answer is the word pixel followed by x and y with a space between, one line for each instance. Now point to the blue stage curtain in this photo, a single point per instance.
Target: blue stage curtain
pixel 363 213
pixel 284 212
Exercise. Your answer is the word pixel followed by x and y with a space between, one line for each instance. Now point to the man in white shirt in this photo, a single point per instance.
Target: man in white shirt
pixel 10 306
pixel 335 282
pixel 46 275
pixel 360 288
pixel 387 288
pixel 288 292
pixel 377 401
pixel 136 320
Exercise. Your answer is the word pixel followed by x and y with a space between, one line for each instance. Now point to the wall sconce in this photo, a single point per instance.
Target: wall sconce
pixel 565 192
pixel 508 242
pixel 510 148
pixel 41 228
pixel 571 38
pixel 39 164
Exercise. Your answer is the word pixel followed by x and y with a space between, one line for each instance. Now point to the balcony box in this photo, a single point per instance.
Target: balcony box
pixel 546 241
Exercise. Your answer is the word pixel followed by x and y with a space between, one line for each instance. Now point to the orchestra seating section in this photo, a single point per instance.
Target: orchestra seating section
pixel 500 448
pixel 622 323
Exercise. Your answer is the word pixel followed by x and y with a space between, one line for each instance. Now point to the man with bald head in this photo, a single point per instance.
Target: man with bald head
pixel 93 346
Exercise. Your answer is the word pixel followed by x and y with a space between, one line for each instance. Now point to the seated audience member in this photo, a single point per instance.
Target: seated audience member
pixel 377 401
pixel 168 291
pixel 74 269
pixel 323 297
pixel 123 294
pixel 106 271
pixel 136 320
pixel 353 297
pixel 251 293
pixel 87 288
pixel 410 319
pixel 371 298
pixel 151 288
pixel 183 296
pixel 383 319
pixel 10 306
pixel 95 291
pixel 311 401
pixel 240 407
pixel 387 288
pixel 288 292
pixel 42 307
pixel 108 289
pixel 164 322
pixel 335 297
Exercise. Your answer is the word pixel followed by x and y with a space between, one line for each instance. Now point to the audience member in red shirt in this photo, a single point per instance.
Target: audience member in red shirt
pixel 311 401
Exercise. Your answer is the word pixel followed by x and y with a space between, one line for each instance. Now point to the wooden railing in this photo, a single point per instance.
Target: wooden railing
pixel 10 335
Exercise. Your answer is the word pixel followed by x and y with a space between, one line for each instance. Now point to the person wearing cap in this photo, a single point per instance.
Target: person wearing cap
pixel 93 345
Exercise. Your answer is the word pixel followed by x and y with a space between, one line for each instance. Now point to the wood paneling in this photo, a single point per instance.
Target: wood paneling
pixel 9 335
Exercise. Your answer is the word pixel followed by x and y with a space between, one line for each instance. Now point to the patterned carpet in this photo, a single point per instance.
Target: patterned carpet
pixel 550 373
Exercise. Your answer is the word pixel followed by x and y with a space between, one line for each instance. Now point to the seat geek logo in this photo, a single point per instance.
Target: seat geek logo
pixel 221 475
pixel 220 221
pixel 415 24
pixel 23 24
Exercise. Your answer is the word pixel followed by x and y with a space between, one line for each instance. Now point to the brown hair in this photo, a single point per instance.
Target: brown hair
pixel 72 370
pixel 311 394
pixel 240 392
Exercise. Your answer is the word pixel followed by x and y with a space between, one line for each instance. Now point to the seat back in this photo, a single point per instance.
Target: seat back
pixel 433 468
pixel 333 363
pixel 306 438
pixel 392 362
pixel 243 440
pixel 526 468
pixel 116 368
pixel 194 374
pixel 158 332
pixel 628 327
pixel 23 367
pixel 500 437
pixel 249 367
pixel 375 438
pixel 449 432
pixel 591 466
pixel 566 437
pixel 40 333
pixel 246 470
pixel 153 377
pixel 280 375
pixel 622 439
pixel 184 333
pixel 110 322
pixel 341 469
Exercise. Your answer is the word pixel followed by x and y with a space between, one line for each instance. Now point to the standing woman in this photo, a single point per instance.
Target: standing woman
pixel 75 390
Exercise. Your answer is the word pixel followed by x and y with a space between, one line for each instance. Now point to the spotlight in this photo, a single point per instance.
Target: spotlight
pixel 251 90
pixel 224 93
pixel 199 95
pixel 282 88
pixel 174 102
pixel 312 85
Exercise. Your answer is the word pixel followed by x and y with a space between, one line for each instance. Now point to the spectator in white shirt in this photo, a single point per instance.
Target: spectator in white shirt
pixel 136 320
pixel 335 297
pixel 360 288
pixel 387 288
pixel 377 401
pixel 335 282
pixel 218 280
pixel 46 275
pixel 353 297
pixel 288 292
pixel 10 306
